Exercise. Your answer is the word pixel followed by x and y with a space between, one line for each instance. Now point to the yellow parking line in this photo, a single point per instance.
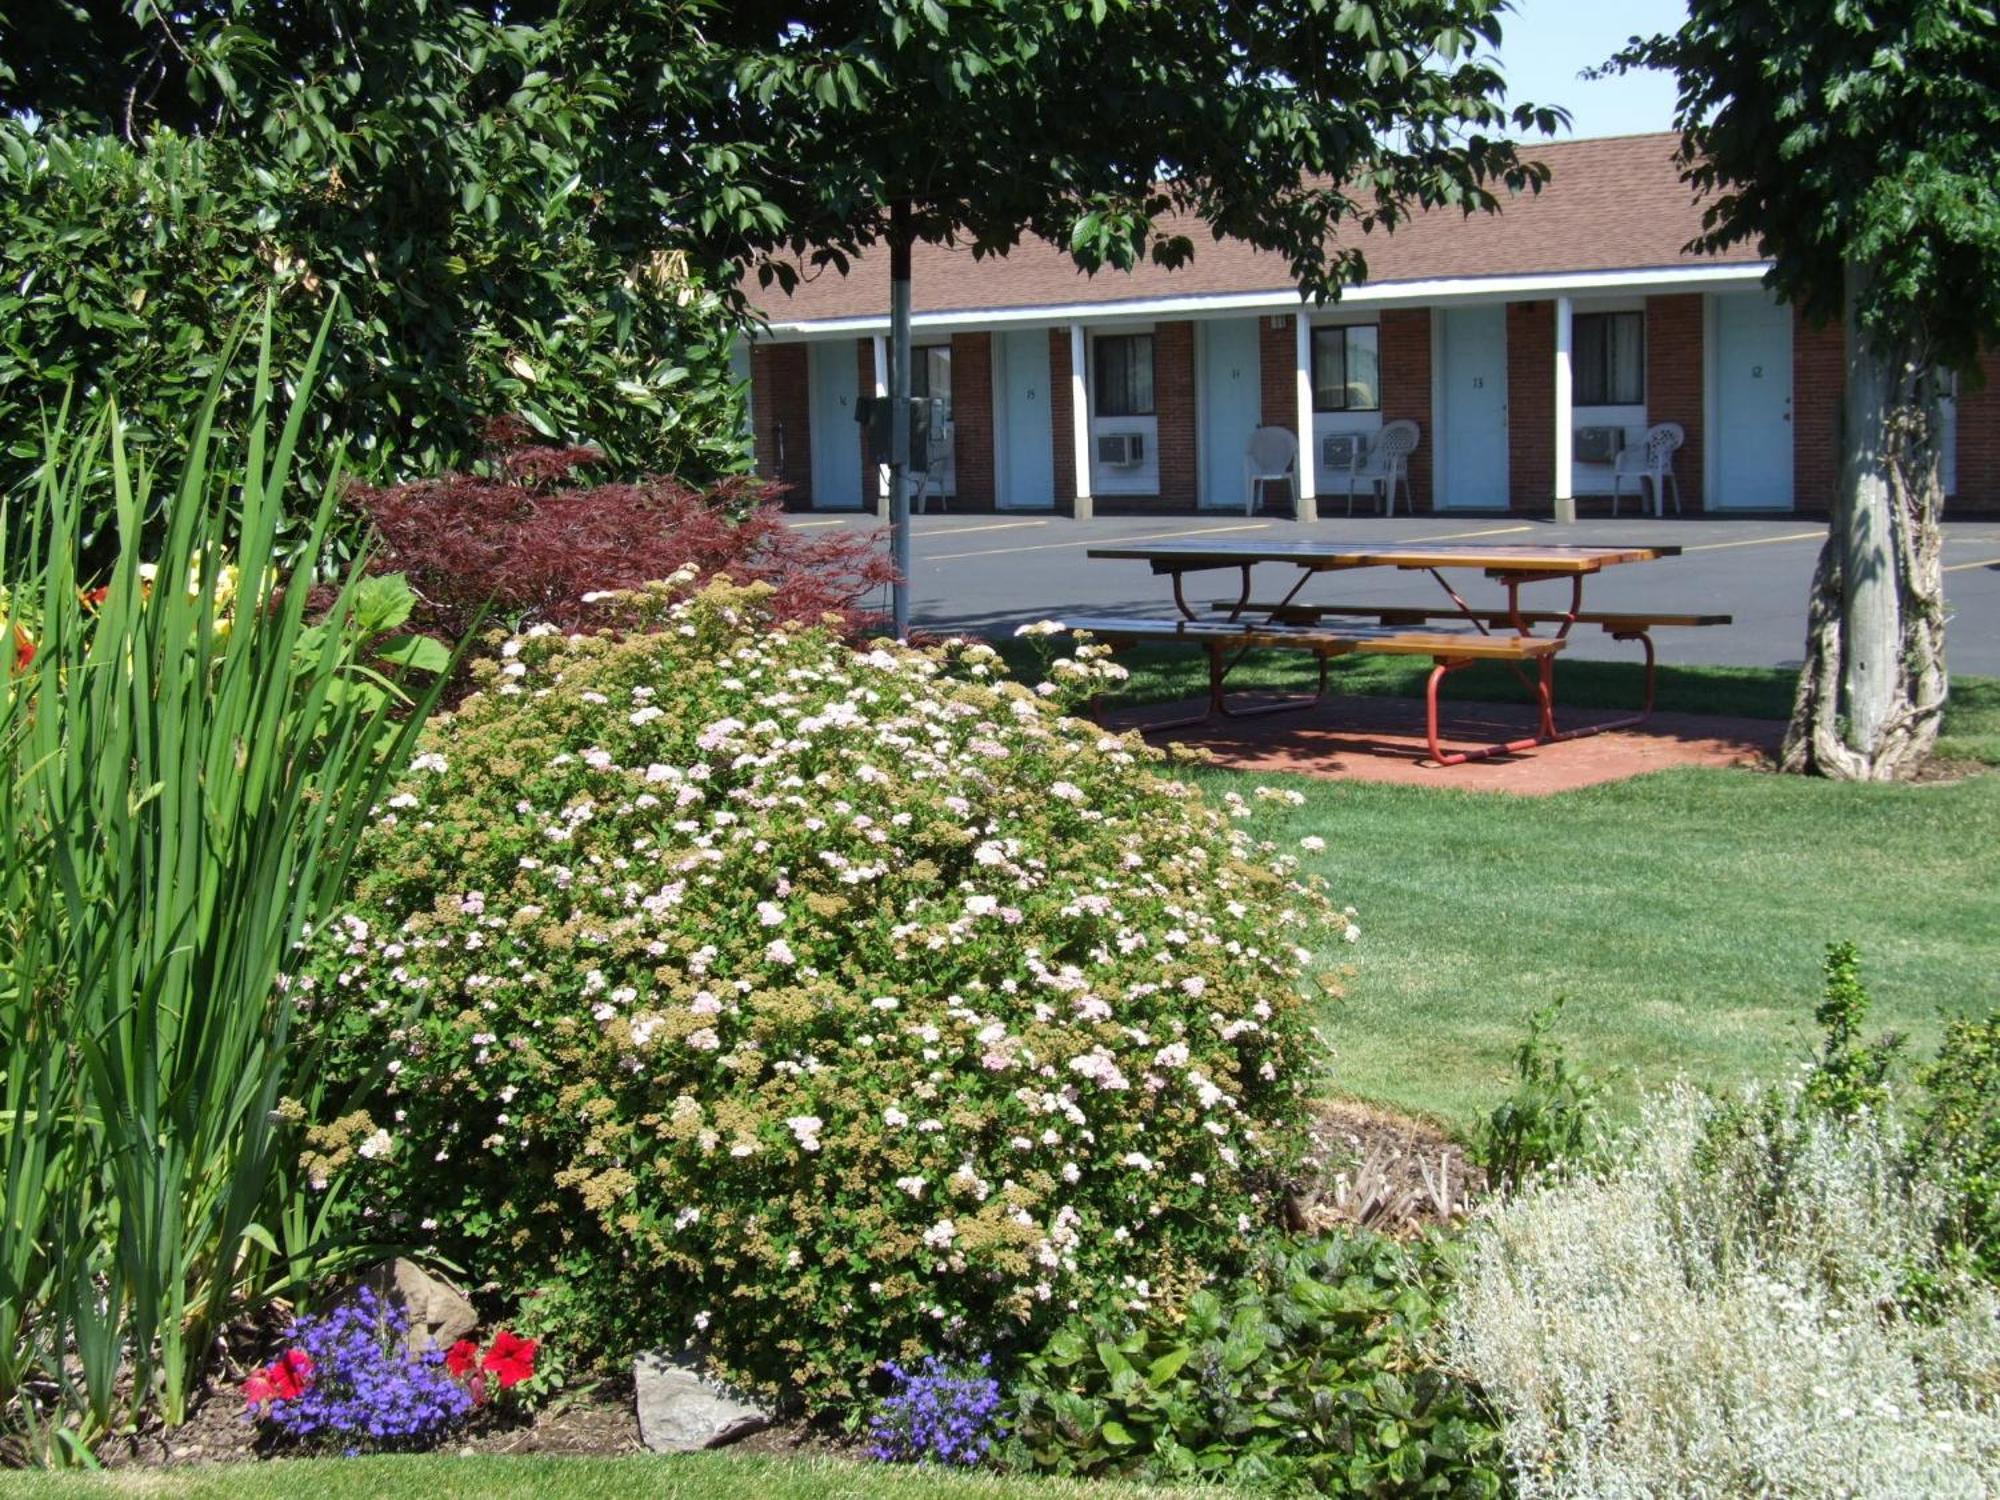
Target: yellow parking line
pixel 803 525
pixel 996 526
pixel 1984 562
pixel 1758 541
pixel 1098 541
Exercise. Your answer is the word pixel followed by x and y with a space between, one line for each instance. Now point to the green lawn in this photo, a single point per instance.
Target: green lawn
pixel 1683 914
pixel 700 1476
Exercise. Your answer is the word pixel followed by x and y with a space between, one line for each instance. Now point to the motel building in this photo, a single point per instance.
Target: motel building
pixel 1529 347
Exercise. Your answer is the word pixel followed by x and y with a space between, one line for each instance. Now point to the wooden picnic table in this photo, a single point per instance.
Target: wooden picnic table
pixel 1513 565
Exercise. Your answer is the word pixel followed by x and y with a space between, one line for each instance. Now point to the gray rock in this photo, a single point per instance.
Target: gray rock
pixel 439 1315
pixel 682 1409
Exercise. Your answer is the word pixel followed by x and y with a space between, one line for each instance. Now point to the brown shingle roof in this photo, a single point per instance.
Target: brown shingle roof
pixel 1613 204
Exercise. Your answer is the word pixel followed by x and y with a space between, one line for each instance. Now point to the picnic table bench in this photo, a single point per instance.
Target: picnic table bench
pixel 1503 634
pixel 1620 625
pixel 1225 642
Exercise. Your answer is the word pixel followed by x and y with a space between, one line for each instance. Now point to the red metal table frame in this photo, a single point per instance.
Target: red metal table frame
pixel 1513 566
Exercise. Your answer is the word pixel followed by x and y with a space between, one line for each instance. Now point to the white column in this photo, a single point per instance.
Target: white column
pixel 1302 349
pixel 1565 432
pixel 881 344
pixel 1079 411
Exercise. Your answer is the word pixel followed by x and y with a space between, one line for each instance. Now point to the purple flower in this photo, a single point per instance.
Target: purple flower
pixel 368 1390
pixel 940 1413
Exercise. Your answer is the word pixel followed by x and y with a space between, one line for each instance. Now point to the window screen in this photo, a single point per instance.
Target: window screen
pixel 1346 369
pixel 1609 359
pixel 1124 375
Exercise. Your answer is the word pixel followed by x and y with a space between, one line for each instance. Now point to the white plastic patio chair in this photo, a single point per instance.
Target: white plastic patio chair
pixel 1652 460
pixel 1387 464
pixel 1271 456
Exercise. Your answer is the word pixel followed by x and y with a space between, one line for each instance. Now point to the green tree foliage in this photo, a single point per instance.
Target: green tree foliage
pixel 1859 146
pixel 1117 128
pixel 479 191
pixel 1120 128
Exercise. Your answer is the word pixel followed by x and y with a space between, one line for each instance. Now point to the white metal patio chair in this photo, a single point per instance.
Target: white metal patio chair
pixel 1271 456
pixel 1652 460
pixel 1385 464
pixel 930 481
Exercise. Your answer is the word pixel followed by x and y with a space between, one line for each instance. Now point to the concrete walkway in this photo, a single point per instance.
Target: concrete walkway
pixel 989 573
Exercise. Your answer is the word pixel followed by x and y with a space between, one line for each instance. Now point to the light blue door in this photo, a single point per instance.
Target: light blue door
pixel 836 437
pixel 1028 457
pixel 1230 406
pixel 1470 405
pixel 1753 403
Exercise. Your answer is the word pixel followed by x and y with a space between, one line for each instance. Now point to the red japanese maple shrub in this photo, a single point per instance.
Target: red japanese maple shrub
pixel 529 544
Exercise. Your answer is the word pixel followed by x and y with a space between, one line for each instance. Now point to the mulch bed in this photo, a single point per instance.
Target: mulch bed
pixel 595 1420
pixel 1383 1171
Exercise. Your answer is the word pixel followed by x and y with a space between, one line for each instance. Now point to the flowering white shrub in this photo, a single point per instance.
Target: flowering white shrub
pixel 816 1006
pixel 1724 1312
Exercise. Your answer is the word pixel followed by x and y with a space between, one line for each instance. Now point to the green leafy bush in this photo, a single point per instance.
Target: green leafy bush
pixel 815 1006
pixel 125 266
pixel 1309 1375
pixel 1958 1138
pixel 1849 1075
pixel 1551 1115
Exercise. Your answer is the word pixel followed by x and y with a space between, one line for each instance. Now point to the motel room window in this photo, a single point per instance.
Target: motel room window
pixel 930 373
pixel 1347 370
pixel 1124 375
pixel 1609 359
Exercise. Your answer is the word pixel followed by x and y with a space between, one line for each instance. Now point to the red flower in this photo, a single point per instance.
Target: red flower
pixel 24 650
pixel 511 1359
pixel 290 1374
pixel 285 1379
pixel 462 1359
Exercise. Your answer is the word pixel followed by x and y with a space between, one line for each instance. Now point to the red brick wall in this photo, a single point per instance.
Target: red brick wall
pixel 1277 372
pixel 1674 381
pixel 1405 342
pixel 972 417
pixel 1979 442
pixel 1173 400
pixel 779 387
pixel 1818 374
pixel 1531 405
pixel 1061 417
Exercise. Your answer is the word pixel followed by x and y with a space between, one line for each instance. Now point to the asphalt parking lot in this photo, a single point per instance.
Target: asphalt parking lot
pixel 989 573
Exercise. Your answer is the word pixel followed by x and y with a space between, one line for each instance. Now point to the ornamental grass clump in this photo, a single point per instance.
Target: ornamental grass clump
pixel 1726 1310
pixel 815 1006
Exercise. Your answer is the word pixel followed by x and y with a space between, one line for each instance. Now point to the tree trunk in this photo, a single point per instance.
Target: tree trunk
pixel 1872 690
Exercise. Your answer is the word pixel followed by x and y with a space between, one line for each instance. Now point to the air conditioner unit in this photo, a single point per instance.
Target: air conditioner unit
pixel 1121 450
pixel 1339 452
pixel 1599 445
